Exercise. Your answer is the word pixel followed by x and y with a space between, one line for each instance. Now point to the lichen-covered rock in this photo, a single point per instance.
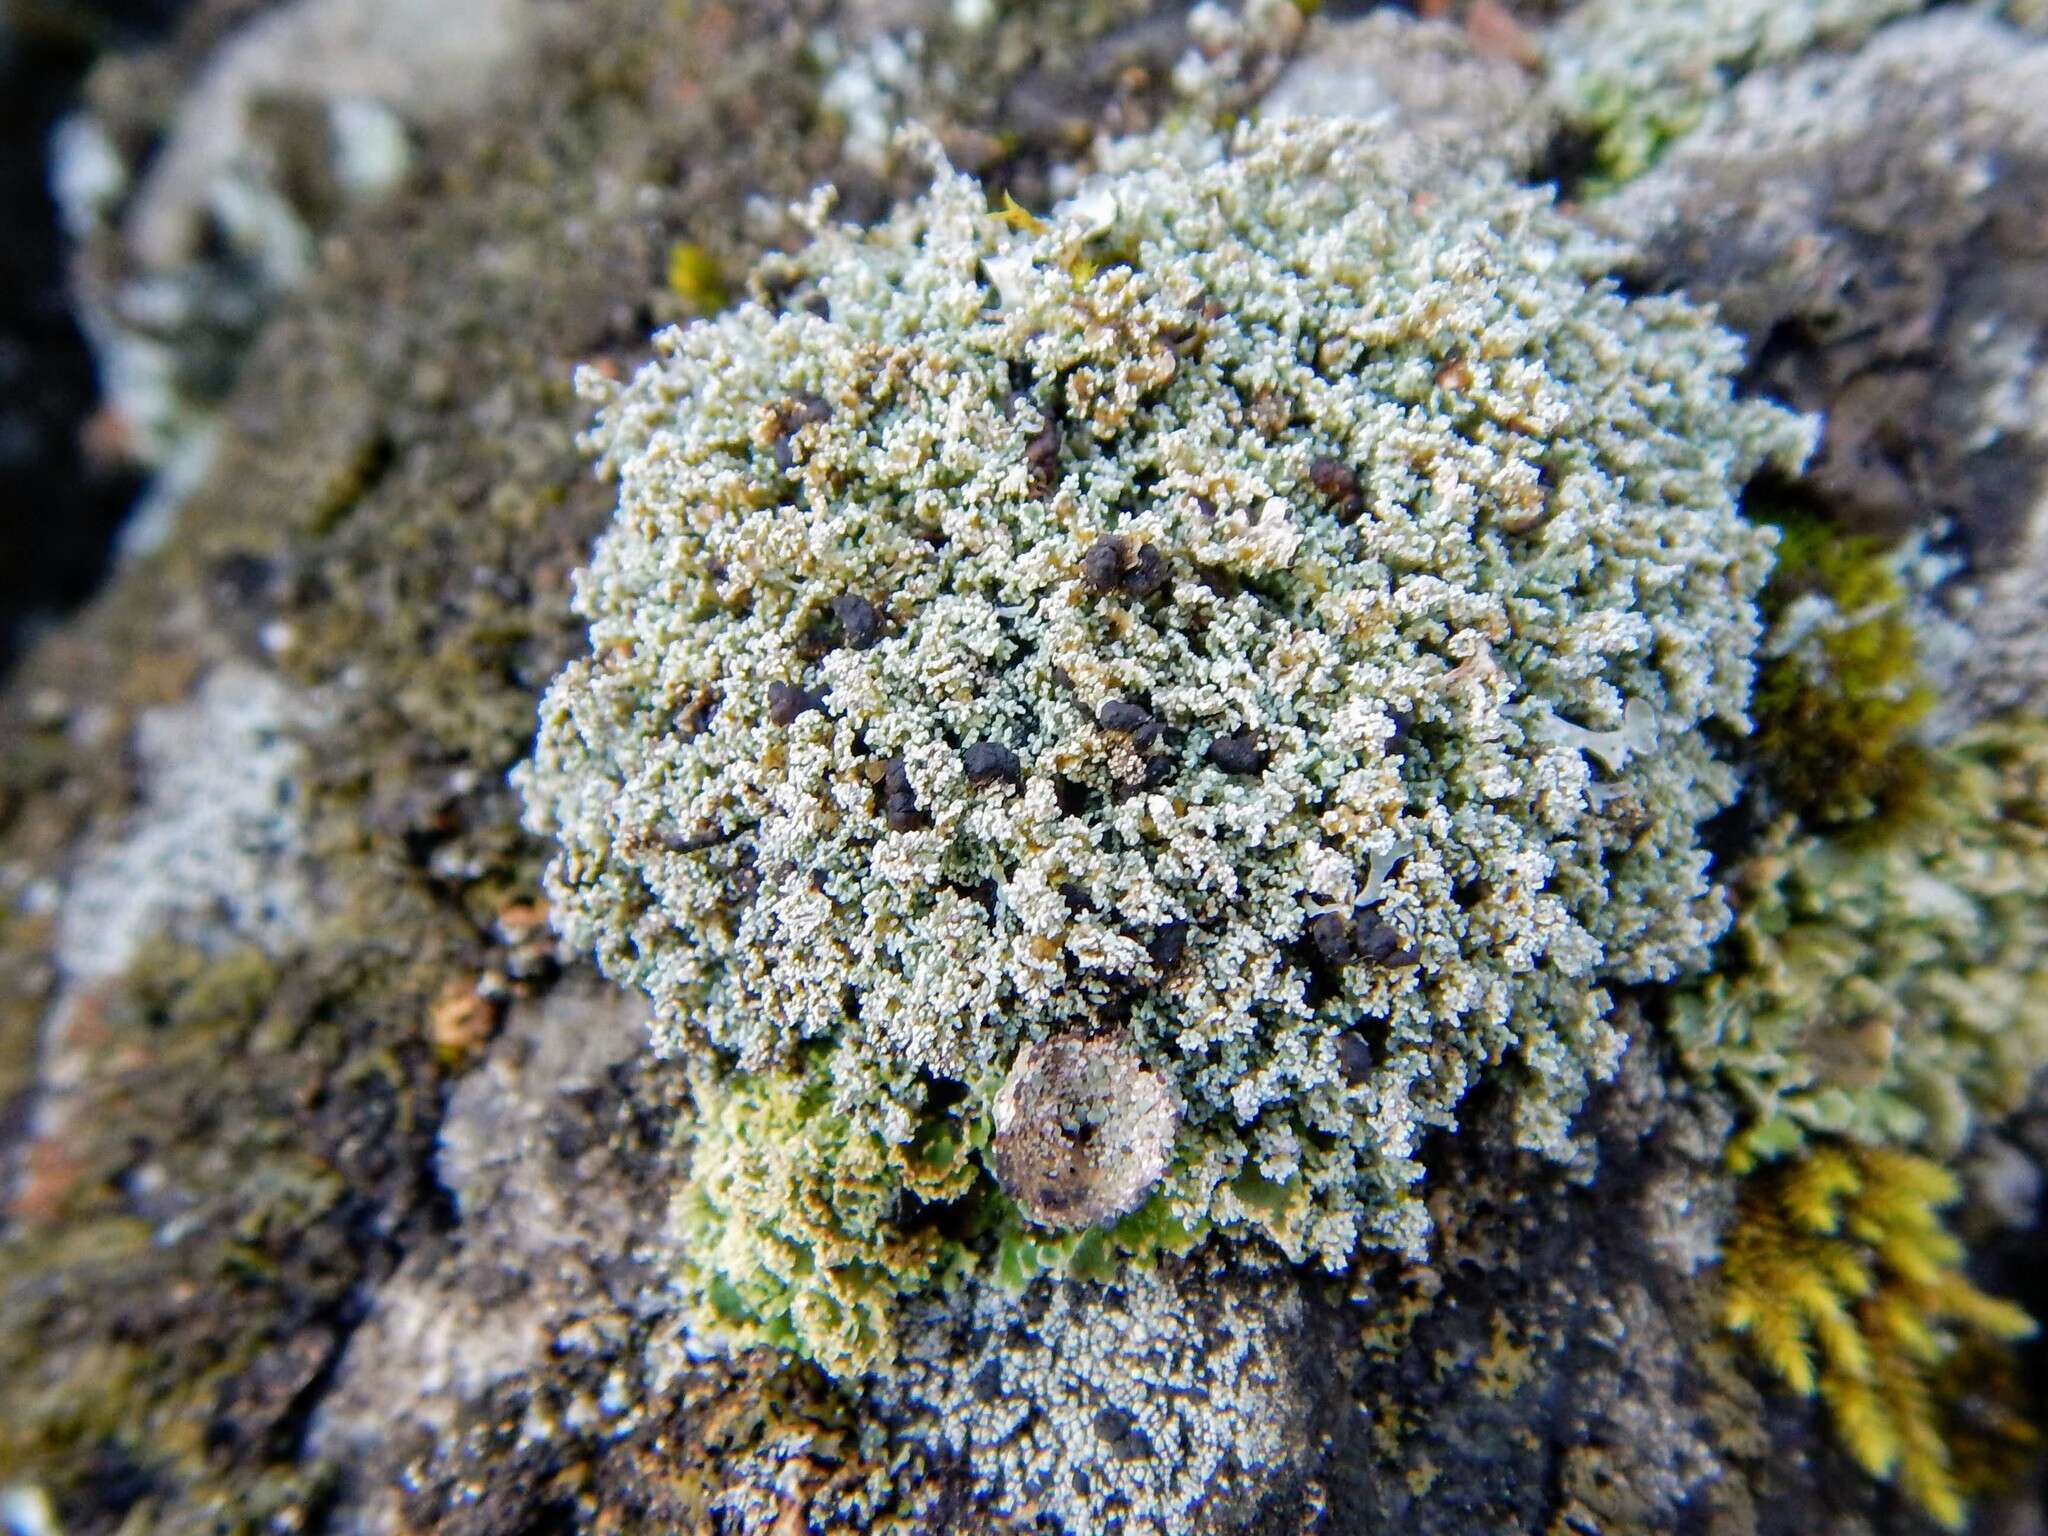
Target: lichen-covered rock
pixel 1427 80
pixel 1638 74
pixel 1872 223
pixel 358 605
pixel 1262 610
pixel 377 1230
pixel 1170 1402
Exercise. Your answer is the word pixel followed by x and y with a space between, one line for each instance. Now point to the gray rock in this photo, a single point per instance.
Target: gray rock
pixel 1877 226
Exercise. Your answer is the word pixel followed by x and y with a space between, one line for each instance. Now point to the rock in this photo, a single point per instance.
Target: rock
pixel 298 115
pixel 1428 79
pixel 533 1153
pixel 1877 226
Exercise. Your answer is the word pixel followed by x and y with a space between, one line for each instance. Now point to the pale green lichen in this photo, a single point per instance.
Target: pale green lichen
pixel 1889 982
pixel 1188 617
pixel 1638 73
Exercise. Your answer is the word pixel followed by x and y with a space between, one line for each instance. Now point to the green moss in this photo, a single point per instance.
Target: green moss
pixel 1839 704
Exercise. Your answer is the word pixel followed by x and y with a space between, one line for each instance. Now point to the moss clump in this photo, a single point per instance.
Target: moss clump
pixel 1889 982
pixel 1842 1276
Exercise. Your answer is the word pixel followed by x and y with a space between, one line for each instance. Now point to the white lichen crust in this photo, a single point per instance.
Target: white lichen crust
pixel 1170 1404
pixel 1274 607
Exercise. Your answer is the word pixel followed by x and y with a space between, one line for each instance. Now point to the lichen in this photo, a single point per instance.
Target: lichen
pixel 1888 981
pixel 1171 621
pixel 1637 74
pixel 1842 1275
pixel 1172 1401
pixel 791 1225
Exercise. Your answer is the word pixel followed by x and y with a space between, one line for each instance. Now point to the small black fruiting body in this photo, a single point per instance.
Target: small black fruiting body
pixel 899 798
pixel 1111 565
pixel 1146 572
pixel 1239 752
pixel 1354 1058
pixel 1103 566
pixel 988 761
pixel 792 415
pixel 859 620
pixel 1042 455
pixel 1358 939
pixel 1130 719
pixel 1337 483
pixel 786 702
pixel 1167 944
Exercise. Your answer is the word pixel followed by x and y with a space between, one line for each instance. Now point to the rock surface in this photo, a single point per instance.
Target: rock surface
pixel 337 1197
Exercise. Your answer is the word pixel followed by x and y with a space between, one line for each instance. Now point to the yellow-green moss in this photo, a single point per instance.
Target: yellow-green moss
pixel 695 277
pixel 1838 705
pixel 1843 1277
